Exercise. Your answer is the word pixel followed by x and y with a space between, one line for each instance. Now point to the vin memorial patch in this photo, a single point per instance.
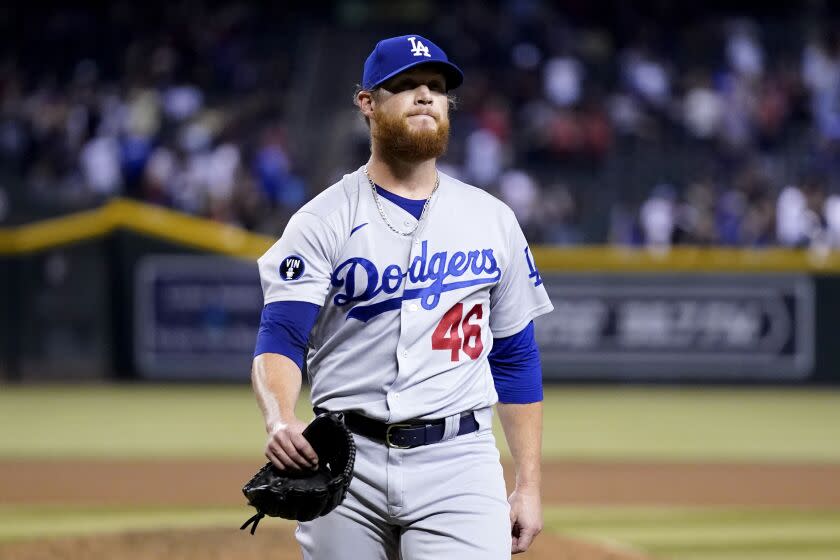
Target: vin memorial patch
pixel 291 268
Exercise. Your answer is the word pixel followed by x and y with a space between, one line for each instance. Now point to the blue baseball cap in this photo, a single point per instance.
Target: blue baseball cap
pixel 398 54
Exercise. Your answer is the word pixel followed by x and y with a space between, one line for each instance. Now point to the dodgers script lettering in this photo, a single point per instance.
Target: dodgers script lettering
pixel 361 281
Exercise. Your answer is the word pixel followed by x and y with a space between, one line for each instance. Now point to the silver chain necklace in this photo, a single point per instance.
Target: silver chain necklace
pixel 385 216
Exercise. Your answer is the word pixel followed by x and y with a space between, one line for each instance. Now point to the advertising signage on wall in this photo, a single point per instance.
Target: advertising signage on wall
pixel 678 327
pixel 196 317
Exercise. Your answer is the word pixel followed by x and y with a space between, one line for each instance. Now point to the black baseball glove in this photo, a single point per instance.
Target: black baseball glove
pixel 305 495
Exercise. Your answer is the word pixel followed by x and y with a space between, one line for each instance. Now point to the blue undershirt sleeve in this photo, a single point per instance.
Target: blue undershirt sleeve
pixel 284 329
pixel 515 365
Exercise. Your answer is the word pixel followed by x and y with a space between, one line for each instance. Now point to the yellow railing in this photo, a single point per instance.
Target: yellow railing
pixel 605 258
pixel 154 221
pixel 207 235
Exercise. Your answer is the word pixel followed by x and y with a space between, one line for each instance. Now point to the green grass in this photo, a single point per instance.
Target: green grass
pixel 130 422
pixel 707 533
pixel 580 423
pixel 693 424
pixel 34 522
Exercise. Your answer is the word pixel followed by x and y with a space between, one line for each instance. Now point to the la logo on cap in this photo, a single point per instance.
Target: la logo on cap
pixel 418 48
pixel 390 57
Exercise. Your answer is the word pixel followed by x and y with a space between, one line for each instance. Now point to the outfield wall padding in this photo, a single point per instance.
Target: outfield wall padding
pixel 90 295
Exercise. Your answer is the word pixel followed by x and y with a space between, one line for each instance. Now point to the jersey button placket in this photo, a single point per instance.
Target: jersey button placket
pixel 402 352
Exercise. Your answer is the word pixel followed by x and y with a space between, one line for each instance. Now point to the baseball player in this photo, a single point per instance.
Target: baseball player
pixel 415 295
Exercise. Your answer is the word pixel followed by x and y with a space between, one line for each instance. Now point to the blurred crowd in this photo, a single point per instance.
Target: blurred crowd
pixel 750 213
pixel 683 128
pixel 186 110
pixel 733 123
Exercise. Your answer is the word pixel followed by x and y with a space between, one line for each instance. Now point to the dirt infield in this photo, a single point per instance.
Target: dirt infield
pixel 217 483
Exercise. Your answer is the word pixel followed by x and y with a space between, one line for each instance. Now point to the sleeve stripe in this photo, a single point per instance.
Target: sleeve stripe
pixel 284 329
pixel 515 366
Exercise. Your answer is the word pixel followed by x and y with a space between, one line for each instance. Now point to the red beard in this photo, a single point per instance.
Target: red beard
pixel 396 140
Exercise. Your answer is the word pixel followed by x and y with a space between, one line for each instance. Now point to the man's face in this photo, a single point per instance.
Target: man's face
pixel 409 116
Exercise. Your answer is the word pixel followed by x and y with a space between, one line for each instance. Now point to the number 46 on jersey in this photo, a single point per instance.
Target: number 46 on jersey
pixel 456 333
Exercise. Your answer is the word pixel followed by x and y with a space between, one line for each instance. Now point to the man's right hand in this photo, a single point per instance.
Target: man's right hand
pixel 286 447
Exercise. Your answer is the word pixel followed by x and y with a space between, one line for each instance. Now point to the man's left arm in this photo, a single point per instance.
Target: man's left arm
pixel 522 424
pixel 518 298
pixel 517 375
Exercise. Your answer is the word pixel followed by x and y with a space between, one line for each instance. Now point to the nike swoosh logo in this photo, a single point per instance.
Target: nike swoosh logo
pixel 357 228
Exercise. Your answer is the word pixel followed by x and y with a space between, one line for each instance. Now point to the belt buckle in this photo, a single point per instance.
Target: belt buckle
pixel 388 441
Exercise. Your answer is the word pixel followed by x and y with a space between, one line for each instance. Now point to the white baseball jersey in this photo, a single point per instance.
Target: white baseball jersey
pixel 406 322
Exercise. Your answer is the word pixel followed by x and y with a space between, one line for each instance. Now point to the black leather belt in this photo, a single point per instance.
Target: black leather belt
pixel 404 435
